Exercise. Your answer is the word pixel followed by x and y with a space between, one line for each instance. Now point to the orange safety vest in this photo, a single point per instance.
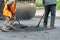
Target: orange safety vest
pixel 8 13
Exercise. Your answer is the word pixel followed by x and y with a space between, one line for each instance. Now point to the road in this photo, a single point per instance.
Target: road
pixel 31 32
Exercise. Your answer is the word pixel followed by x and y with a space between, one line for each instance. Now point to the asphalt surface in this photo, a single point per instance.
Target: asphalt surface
pixel 31 32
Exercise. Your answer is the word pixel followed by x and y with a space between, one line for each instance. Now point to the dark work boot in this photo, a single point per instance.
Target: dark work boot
pixel 45 25
pixel 52 26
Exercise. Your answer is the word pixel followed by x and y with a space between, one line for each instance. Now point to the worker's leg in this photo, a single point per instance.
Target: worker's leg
pixel 5 24
pixel 12 23
pixel 53 12
pixel 47 10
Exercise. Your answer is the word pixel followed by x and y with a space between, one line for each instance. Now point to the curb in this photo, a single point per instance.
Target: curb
pixel 37 8
pixel 49 17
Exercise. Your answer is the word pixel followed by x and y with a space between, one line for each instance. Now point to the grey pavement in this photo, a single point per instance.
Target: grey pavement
pixel 31 32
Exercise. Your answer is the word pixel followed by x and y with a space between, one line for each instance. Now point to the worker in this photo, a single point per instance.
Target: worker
pixel 8 14
pixel 50 6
